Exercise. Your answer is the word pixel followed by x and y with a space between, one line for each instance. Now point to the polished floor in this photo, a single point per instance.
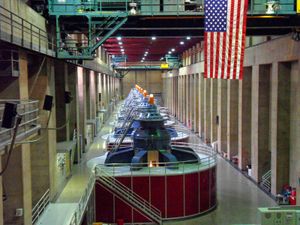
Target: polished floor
pixel 238 197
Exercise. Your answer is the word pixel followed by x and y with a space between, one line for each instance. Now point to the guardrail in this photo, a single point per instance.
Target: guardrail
pixel 78 214
pixel 208 160
pixel 40 206
pixel 155 7
pixel 16 30
pixel 29 110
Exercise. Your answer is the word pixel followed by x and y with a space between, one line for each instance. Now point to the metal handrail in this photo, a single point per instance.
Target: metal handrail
pixel 128 194
pixel 208 160
pixel 40 206
pixel 266 180
pixel 29 110
pixel 179 7
pixel 82 204
pixel 29 32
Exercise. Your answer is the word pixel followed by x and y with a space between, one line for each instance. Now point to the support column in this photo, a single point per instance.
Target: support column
pixel 81 110
pixel 232 118
pixel 244 107
pixel 25 149
pixel 294 168
pixel 222 115
pixel 17 177
pixel 196 108
pixel 214 109
pixel 207 112
pixel 92 95
pixel 280 125
pixel 201 106
pixel 60 69
pixel 260 154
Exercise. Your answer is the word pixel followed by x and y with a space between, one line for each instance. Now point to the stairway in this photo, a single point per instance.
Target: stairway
pixel 126 194
pixel 125 127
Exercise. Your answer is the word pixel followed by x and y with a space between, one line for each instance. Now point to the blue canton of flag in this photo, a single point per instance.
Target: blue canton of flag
pixel 215 15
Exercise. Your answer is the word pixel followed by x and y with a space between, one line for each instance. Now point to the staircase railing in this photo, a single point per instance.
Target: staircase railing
pixel 124 129
pixel 266 181
pixel 127 194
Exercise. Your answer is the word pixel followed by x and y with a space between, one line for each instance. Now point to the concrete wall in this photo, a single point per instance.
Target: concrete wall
pixel 149 80
pixel 258 117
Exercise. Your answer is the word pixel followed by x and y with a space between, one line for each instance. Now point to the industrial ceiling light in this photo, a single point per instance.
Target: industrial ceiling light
pixel 182 43
pixel 153 38
pixel 169 52
pixel 122 50
pixel 188 38
pixel 119 38
pixel 120 42
pixel 133 8
pixel 272 7
pixel 173 49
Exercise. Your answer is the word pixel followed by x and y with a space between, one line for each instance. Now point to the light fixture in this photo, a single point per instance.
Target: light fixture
pixel 272 6
pixel 188 38
pixel 122 50
pixel 162 58
pixel 119 38
pixel 143 58
pixel 173 49
pixel 133 6
pixel 120 42
pixel 153 38
pixel 169 52
pixel 146 53
pixel 182 43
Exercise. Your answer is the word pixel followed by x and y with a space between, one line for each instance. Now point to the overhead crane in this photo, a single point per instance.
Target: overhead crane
pixel 84 25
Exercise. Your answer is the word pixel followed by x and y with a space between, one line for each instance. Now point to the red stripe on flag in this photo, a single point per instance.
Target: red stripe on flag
pixel 217 56
pixel 205 55
pixel 211 69
pixel 243 40
pixel 224 55
pixel 230 41
pixel 236 43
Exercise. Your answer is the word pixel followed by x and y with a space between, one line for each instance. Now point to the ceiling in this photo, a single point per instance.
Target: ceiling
pixel 136 48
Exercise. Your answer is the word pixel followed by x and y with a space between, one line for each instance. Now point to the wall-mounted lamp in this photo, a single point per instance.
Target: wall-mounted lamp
pixel 272 7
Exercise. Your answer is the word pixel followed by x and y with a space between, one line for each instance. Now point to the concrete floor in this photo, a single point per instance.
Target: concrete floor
pixel 238 197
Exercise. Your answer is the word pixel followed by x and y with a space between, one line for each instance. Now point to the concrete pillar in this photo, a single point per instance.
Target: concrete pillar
pixel 192 101
pixel 280 125
pixel 196 108
pixel 207 111
pixel 260 154
pixel 51 135
pixel 18 190
pixel 201 106
pixel 244 117
pixel 232 118
pixel 81 110
pixel 25 149
pixel 92 95
pixel 185 99
pixel 295 129
pixel 61 116
pixel 214 109
pixel 180 93
pixel 222 116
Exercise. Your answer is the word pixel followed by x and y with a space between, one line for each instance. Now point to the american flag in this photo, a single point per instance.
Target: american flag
pixel 224 38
